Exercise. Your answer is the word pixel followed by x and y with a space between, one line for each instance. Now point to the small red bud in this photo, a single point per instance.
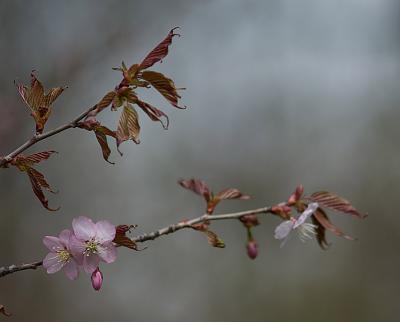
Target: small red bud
pixel 97 279
pixel 252 249
pixel 296 195
pixel 249 220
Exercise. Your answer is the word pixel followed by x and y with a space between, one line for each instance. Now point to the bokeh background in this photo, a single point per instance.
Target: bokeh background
pixel 280 93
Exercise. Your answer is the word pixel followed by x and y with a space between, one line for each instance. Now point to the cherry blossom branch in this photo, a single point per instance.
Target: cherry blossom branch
pixel 189 224
pixel 39 137
pixel 6 270
pixel 16 268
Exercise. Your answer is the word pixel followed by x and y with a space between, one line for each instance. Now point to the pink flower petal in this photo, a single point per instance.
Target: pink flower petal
pixel 52 263
pixel 283 230
pixel 107 252
pixel 53 243
pixel 312 207
pixel 90 263
pixel 105 231
pixel 65 236
pixel 84 228
pixel 77 247
pixel 71 270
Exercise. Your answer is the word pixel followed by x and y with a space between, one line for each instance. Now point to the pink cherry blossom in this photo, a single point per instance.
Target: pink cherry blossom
pixel 60 256
pixel 97 279
pixel 92 242
pixel 305 230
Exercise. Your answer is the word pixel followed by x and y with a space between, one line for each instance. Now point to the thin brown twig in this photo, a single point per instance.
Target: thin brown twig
pixel 39 137
pixel 6 270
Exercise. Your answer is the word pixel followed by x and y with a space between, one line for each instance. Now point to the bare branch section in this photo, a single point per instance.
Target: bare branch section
pixel 39 137
pixel 155 234
pixel 16 268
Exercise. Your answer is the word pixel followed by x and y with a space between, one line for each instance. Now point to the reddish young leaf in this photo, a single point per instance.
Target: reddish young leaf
pixel 159 52
pixel 154 113
pixel 231 193
pixel 105 101
pixel 334 202
pixel 226 194
pixel 121 239
pixel 38 102
pixel 320 233
pixel 40 179
pixel 105 149
pixel 37 179
pixel 164 85
pixel 38 157
pixel 4 311
pixel 197 186
pixel 323 219
pixel 38 182
pixel 200 187
pixel 128 127
pixel 125 242
pixel 101 132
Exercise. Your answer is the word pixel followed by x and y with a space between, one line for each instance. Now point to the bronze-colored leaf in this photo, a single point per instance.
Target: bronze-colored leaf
pixel 37 179
pixel 105 149
pixel 231 193
pixel 214 240
pixel 121 239
pixel 197 186
pixel 101 132
pixel 38 157
pixel 320 234
pixel 164 85
pixel 125 242
pixel 154 113
pixel 4 311
pixel 334 202
pixel 226 194
pixel 38 102
pixel 52 95
pixel 38 182
pixel 128 127
pixel 40 179
pixel 323 219
pixel 105 101
pixel 159 52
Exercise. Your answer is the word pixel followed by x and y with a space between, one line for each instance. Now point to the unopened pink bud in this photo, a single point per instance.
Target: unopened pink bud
pixel 252 249
pixel 295 195
pixel 97 279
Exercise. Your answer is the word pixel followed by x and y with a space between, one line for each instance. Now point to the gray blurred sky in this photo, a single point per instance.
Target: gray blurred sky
pixel 280 93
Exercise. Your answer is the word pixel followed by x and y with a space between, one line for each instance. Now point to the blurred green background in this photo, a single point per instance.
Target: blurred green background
pixel 280 93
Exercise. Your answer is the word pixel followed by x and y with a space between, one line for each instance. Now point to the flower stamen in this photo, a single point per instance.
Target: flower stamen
pixel 91 247
pixel 63 255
